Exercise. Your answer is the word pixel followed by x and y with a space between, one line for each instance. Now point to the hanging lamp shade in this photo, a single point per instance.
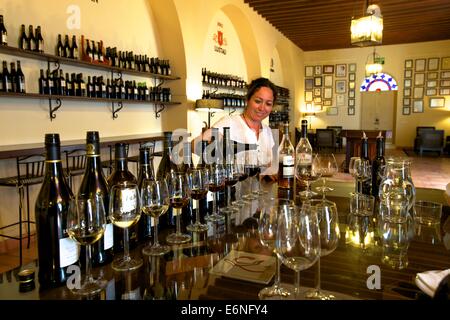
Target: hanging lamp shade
pixel 368 30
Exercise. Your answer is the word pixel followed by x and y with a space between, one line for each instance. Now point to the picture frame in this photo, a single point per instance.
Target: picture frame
pixel 327 103
pixel 317 92
pixel 418 92
pixel 328 81
pixel 341 70
pixel 431 92
pixel 407 83
pixel 351 102
pixel 406 111
pixel 308 96
pixel 352 67
pixel 327 93
pixel 351 111
pixel 445 75
pixel 445 63
pixel 332 111
pixel 309 71
pixel 418 106
pixel 328 69
pixel 317 100
pixel 351 93
pixel 438 102
pixel 309 84
pixel 340 100
pixel 444 83
pixel 444 91
pixel 318 70
pixel 317 81
pixel 408 64
pixel 406 101
pixel 340 86
pixel 351 85
pixel 420 65
pixel 419 79
pixel 433 75
pixel 431 83
pixel 352 76
pixel 309 106
pixel 408 73
pixel 433 64
pixel 407 92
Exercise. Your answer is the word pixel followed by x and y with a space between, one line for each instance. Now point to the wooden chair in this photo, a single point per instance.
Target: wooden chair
pixel 325 138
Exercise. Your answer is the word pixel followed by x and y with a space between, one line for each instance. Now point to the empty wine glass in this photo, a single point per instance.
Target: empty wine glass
pixel 307 173
pixel 298 240
pixel 86 224
pixel 179 192
pixel 361 170
pixel 124 212
pixel 155 203
pixel 199 189
pixel 267 228
pixel 327 166
pixel 329 239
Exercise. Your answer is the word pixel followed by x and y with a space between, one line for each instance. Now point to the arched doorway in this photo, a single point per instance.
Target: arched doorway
pixel 379 104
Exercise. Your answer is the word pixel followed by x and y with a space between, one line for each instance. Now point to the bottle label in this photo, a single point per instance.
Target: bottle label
pixel 304 158
pixel 5 38
pixel 82 86
pixel 75 54
pixel 108 236
pixel 132 295
pixel 128 200
pixel 69 252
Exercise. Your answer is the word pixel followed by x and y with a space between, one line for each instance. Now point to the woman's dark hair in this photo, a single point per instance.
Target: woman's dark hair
pixel 259 83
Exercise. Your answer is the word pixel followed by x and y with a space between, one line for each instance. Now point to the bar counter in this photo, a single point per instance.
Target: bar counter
pixel 183 273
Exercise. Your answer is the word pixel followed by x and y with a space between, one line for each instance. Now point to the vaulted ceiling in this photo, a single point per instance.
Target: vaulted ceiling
pixel 325 24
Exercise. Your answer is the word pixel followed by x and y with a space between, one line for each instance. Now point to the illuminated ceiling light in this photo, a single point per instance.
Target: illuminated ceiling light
pixel 373 65
pixel 368 30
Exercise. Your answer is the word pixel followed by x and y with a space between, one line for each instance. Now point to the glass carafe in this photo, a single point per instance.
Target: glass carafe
pixel 397 192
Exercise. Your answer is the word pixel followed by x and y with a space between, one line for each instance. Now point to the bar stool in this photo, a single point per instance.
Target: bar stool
pixel 30 171
pixel 75 164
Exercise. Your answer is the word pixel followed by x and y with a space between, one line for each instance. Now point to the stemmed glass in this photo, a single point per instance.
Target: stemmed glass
pixel 329 239
pixel 267 229
pixel 155 203
pixel 216 184
pixel 361 170
pixel 86 224
pixel 199 178
pixel 242 175
pixel 231 177
pixel 327 166
pixel 179 192
pixel 252 170
pixel 298 240
pixel 124 211
pixel 308 174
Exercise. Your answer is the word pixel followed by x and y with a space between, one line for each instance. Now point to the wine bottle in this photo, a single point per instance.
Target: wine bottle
pixel 13 77
pixel 303 154
pixel 145 173
pixel 6 78
pixel 20 79
pixel 94 184
pixel 59 47
pixel 39 40
pixel 67 49
pixel 203 203
pixel 43 88
pixel 377 165
pixel 74 49
pixel 31 40
pixel 23 38
pixel 121 174
pixel 366 184
pixel 3 33
pixel 56 251
pixel 286 160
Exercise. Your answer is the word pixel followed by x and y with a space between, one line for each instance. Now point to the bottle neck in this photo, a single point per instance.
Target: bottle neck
pixel 121 164
pixel 304 131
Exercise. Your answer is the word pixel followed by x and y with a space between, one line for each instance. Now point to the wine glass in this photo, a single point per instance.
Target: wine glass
pixel 307 173
pixel 86 224
pixel 155 203
pixel 179 192
pixel 124 212
pixel 252 170
pixel 329 239
pixel 199 189
pixel 216 184
pixel 267 229
pixel 327 166
pixel 298 240
pixel 361 170
pixel 239 159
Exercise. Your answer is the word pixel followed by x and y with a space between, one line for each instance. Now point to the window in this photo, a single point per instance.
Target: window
pixel 379 82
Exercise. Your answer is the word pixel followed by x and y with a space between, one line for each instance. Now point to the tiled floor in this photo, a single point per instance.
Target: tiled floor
pixel 427 172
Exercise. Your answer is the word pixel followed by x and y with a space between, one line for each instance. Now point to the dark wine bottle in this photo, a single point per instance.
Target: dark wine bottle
pixel 62 83
pixel 13 76
pixel 366 185
pixel 31 40
pixel 3 33
pixel 43 88
pixel 6 78
pixel 20 79
pixel 74 48
pixel 203 203
pixel 23 39
pixel 121 174
pixel 39 40
pixel 145 173
pixel 67 49
pixel 377 166
pixel 94 184
pixel 59 47
pixel 56 250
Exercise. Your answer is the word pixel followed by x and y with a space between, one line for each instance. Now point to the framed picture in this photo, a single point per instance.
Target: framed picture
pixel 437 102
pixel 418 93
pixel 317 100
pixel 419 79
pixel 407 92
pixel 418 106
pixel 407 83
pixel 328 69
pixel 309 83
pixel 308 96
pixel 406 101
pixel 327 93
pixel 406 111
pixel 433 64
pixel 444 75
pixel 309 71
pixel 351 76
pixel 341 70
pixel 328 81
pixel 341 86
pixel 431 92
pixel 327 103
pixel 445 63
pixel 351 102
pixel 352 67
pixel 420 65
pixel 445 83
pixel 340 100
pixel 317 70
pixel 444 91
pixel 408 73
pixel 351 93
pixel 351 85
pixel 351 111
pixel 317 92
pixel 408 64
pixel 317 81
pixel 431 83
pixel 433 75
pixel 332 111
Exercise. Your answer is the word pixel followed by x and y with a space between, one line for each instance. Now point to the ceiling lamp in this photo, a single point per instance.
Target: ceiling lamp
pixel 368 30
pixel 373 64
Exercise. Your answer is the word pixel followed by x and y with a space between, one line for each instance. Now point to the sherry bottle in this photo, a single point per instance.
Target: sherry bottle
pixel 286 158
pixel 303 154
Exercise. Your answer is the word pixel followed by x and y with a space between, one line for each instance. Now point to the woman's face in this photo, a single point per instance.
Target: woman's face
pixel 260 104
